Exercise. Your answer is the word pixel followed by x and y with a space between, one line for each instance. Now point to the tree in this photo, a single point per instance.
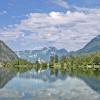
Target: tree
pixel 37 65
pixel 52 60
pixel 44 65
pixel 63 61
pixel 96 60
pixel 56 59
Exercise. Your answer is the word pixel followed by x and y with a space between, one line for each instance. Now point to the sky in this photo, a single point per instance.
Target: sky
pixel 33 24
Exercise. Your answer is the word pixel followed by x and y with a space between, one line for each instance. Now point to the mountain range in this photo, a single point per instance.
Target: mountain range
pixel 46 52
pixel 43 54
pixel 6 54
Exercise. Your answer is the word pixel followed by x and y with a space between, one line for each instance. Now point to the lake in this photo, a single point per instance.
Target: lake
pixel 43 85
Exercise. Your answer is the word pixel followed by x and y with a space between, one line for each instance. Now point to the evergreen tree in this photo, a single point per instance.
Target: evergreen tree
pixel 96 60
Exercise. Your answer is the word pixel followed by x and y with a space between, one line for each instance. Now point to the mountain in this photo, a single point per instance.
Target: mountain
pixel 43 54
pixel 6 54
pixel 46 52
pixel 92 46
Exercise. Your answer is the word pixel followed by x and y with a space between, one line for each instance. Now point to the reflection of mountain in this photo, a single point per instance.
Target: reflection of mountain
pixel 43 75
pixel 93 83
pixel 5 76
pixel 44 54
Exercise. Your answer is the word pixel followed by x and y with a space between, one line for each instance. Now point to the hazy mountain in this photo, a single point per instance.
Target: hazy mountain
pixel 6 54
pixel 44 53
pixel 92 46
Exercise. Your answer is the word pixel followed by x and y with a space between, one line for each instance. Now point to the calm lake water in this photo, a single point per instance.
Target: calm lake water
pixel 31 85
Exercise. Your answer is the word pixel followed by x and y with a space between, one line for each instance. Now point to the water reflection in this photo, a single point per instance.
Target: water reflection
pixel 45 85
pixel 92 83
pixel 5 76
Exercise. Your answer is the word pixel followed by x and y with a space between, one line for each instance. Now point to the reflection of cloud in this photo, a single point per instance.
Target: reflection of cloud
pixel 71 30
pixel 71 92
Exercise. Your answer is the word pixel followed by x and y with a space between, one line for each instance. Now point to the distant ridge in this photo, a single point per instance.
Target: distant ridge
pixel 46 52
pixel 43 54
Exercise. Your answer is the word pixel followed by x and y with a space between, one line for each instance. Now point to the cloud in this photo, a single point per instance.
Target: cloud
pixel 77 4
pixel 61 3
pixel 3 12
pixel 70 30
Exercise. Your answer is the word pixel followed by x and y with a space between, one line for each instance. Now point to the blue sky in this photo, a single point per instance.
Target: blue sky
pixel 32 24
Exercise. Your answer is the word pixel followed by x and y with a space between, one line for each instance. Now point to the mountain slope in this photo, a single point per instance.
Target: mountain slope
pixel 43 54
pixel 6 54
pixel 92 46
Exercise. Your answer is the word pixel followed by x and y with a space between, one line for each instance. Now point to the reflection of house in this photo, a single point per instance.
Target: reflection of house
pixel 1 64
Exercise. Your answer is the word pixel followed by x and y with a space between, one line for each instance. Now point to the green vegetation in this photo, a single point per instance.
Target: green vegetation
pixel 79 65
pixel 86 61
pixel 19 65
pixel 87 64
pixel 72 63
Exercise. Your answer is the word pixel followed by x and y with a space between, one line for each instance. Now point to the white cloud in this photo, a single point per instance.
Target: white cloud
pixel 70 30
pixel 55 15
pixel 61 3
pixel 3 12
pixel 68 12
